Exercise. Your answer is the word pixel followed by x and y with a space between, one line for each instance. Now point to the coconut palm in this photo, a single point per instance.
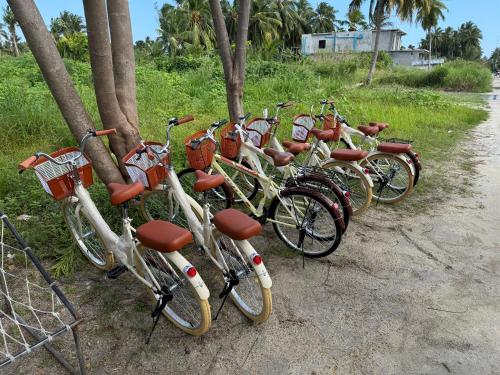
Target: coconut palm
pixel 356 20
pixel 428 16
pixel 469 36
pixel 324 20
pixel 186 26
pixel 264 26
pixel 66 24
pixel 291 22
pixel 379 12
pixel 10 21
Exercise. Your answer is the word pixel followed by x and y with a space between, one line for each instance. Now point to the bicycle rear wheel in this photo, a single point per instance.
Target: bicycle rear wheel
pixel 249 296
pixel 186 310
pixel 352 181
pixel 86 235
pixel 306 221
pixel 325 185
pixel 392 177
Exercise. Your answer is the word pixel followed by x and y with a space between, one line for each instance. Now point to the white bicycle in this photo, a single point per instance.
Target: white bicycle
pixel 152 255
pixel 223 237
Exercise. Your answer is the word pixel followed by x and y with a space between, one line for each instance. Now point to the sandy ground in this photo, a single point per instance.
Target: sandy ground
pixel 409 291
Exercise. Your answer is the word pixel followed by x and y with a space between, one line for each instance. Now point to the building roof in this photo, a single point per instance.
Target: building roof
pixel 399 31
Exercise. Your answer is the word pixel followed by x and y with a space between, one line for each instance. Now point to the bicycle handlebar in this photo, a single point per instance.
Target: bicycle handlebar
pixel 100 133
pixel 185 119
pixel 27 163
pixel 90 133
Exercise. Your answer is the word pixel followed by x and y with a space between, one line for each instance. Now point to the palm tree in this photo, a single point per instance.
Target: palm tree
pixel 66 24
pixel 469 36
pixel 378 13
pixel 306 14
pixel 428 16
pixel 291 23
pixel 10 21
pixel 187 25
pixel 356 20
pixel 324 20
pixel 264 26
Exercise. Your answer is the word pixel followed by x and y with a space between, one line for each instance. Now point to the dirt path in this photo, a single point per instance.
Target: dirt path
pixel 406 293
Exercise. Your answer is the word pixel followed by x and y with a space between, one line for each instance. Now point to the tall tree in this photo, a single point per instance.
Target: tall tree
pixel 66 24
pixel 356 20
pixel 264 24
pixel 324 20
pixel 378 12
pixel 429 15
pixel 469 36
pixel 11 22
pixel 55 74
pixel 113 68
pixel 233 63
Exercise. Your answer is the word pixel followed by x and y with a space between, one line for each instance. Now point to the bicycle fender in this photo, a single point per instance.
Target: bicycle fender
pixel 261 270
pixel 196 281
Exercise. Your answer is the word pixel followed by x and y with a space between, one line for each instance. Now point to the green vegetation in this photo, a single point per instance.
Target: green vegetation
pixel 30 121
pixel 455 76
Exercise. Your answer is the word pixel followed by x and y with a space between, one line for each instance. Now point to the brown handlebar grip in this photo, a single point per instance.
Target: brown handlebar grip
pixel 100 133
pixel 185 119
pixel 330 101
pixel 27 163
pixel 288 104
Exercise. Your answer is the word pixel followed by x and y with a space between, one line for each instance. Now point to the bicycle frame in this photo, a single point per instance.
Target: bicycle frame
pixel 124 247
pixel 203 231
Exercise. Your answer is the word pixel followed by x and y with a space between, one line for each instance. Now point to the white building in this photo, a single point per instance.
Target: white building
pixel 364 41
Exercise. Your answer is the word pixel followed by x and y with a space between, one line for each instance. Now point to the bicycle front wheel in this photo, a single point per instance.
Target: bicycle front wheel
pixel 186 310
pixel 353 182
pixel 86 235
pixel 392 177
pixel 306 221
pixel 249 296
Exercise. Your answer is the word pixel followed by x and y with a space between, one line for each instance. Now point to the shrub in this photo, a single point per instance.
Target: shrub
pixel 178 63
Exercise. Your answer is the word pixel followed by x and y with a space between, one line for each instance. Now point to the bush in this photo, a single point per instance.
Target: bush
pixel 455 76
pixel 178 63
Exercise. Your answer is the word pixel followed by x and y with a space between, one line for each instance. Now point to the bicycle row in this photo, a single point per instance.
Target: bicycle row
pixel 308 193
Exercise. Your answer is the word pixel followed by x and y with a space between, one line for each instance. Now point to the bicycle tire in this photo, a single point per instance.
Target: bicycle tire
pixel 163 273
pixel 360 198
pixel 242 303
pixel 90 243
pixel 380 186
pixel 334 221
pixel 329 188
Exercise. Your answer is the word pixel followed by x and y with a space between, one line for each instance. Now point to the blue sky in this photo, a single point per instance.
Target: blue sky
pixel 485 13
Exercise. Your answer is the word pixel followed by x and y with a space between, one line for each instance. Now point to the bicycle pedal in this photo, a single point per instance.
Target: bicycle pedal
pixel 115 272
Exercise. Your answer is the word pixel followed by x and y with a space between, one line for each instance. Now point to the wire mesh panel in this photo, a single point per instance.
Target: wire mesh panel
pixel 33 310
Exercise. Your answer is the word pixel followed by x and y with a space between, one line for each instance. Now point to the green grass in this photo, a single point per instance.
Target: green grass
pixel 30 121
pixel 454 76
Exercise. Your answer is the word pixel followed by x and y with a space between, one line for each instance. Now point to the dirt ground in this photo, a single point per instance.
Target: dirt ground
pixel 413 289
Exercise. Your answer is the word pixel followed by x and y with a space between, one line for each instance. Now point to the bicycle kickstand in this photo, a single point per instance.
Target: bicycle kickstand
pixel 165 297
pixel 228 287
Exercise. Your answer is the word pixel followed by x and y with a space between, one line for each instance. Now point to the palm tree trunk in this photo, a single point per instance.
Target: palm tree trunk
pixel 55 74
pixel 373 63
pixel 234 66
pixel 13 38
pixel 430 50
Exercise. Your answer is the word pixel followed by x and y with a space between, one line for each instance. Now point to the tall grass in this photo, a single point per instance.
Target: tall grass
pixel 454 76
pixel 30 121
